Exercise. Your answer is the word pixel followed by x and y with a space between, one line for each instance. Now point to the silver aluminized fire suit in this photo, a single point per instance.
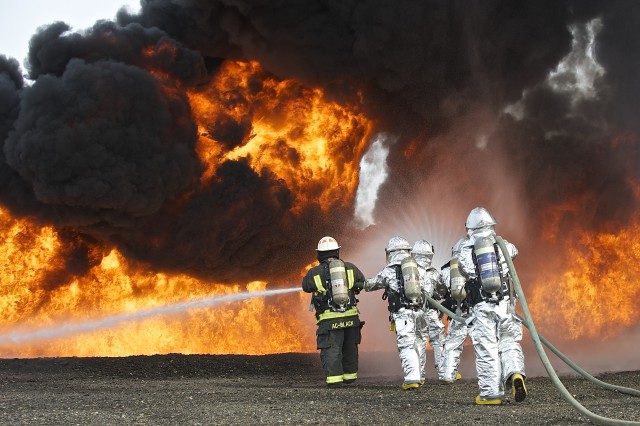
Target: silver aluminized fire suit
pixel 495 331
pixel 434 326
pixel 409 321
pixel 457 332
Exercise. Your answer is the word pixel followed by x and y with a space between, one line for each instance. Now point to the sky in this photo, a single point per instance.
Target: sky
pixel 19 19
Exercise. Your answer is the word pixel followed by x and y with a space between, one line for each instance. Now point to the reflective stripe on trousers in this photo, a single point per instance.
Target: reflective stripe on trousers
pixel 340 356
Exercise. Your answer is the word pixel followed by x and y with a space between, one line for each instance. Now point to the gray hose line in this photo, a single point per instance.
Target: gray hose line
pixel 441 308
pixel 583 373
pixel 543 356
pixel 553 349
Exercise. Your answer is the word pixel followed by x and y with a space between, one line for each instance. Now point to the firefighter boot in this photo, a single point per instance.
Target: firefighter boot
pixel 518 388
pixel 482 401
pixel 446 382
pixel 349 378
pixel 410 386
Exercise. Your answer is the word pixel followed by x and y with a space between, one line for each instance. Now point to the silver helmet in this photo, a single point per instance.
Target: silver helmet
pixel 479 217
pixel 422 247
pixel 397 243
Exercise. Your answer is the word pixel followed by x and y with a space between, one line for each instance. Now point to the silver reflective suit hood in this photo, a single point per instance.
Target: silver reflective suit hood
pixel 423 260
pixel 395 257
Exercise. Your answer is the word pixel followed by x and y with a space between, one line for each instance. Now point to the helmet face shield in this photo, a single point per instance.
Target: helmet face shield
pixel 423 259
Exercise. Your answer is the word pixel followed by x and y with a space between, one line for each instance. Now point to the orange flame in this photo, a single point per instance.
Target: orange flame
pixel 596 293
pixel 117 286
pixel 313 145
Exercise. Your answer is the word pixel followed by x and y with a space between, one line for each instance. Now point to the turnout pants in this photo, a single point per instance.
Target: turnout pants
pixel 453 346
pixel 412 343
pixel 496 336
pixel 436 335
pixel 339 353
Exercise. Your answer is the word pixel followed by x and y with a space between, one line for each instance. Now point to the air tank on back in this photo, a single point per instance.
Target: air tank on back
pixel 339 283
pixel 458 291
pixel 487 262
pixel 411 278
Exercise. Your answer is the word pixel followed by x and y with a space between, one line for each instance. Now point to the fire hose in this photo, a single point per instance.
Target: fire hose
pixel 539 340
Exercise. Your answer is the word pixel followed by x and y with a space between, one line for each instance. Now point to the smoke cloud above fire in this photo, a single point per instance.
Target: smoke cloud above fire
pixel 161 134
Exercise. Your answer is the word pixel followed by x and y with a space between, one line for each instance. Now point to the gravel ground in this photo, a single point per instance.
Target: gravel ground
pixel 273 389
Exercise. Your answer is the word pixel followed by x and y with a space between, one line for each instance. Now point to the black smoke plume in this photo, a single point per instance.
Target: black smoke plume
pixel 101 145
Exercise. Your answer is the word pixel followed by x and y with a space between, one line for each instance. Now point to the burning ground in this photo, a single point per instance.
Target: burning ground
pixel 201 148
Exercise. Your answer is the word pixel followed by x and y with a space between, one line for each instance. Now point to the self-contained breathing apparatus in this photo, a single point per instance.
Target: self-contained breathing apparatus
pixel 337 288
pixel 339 285
pixel 409 293
pixel 458 291
pixel 490 283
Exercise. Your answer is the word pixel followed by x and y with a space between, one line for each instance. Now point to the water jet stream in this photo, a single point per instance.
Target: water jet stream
pixel 66 329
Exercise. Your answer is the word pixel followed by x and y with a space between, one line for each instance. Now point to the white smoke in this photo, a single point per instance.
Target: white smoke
pixel 373 173
pixel 576 73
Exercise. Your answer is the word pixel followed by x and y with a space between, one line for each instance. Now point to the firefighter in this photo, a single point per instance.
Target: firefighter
pixel 423 252
pixel 404 290
pixel 457 332
pixel 334 285
pixel 495 330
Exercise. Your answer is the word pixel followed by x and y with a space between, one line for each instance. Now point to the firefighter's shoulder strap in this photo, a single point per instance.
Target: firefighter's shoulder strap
pixel 399 276
pixel 395 298
pixel 321 299
pixel 387 290
pixel 326 274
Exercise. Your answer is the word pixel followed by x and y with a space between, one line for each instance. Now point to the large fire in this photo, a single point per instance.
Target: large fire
pixel 312 144
pixel 281 126
pixel 592 289
pixel 117 286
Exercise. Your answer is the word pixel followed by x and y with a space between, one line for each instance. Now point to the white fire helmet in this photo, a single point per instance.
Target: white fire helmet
pixel 327 244
pixel 422 247
pixel 479 217
pixel 397 243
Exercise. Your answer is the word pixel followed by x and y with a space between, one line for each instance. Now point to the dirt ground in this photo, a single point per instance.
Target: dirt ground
pixel 273 389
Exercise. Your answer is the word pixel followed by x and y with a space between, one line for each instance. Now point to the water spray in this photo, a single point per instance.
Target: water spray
pixel 539 340
pixel 66 329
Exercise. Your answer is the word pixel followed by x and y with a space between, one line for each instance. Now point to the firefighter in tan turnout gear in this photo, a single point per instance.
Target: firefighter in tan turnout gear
pixel 404 289
pixel 334 285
